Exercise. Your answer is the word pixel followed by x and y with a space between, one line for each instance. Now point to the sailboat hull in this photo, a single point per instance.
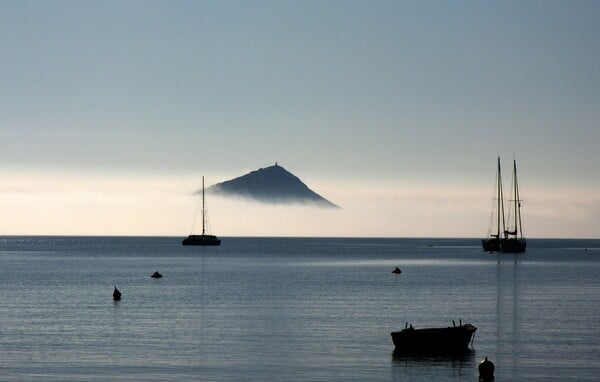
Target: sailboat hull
pixel 510 245
pixel 513 245
pixel 491 245
pixel 202 240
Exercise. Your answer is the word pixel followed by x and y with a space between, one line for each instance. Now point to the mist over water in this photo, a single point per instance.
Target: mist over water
pixel 65 203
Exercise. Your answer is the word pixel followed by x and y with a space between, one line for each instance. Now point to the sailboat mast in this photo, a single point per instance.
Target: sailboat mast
pixel 516 211
pixel 203 205
pixel 500 223
pixel 518 225
pixel 498 193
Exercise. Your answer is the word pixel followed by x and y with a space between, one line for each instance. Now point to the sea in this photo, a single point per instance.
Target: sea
pixel 293 309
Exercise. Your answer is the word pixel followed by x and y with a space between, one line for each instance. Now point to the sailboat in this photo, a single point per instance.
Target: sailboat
pixel 513 241
pixel 492 243
pixel 509 240
pixel 203 239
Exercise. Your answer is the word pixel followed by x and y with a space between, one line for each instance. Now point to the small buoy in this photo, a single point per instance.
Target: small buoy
pixel 116 294
pixel 396 271
pixel 486 370
pixel 156 275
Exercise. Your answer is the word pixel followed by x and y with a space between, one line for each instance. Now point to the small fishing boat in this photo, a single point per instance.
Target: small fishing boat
pixel 434 340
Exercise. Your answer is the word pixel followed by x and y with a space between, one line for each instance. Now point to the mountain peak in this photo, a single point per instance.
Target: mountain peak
pixel 273 184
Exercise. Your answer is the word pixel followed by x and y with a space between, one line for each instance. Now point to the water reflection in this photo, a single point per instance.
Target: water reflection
pixel 430 366
pixel 507 305
pixel 465 356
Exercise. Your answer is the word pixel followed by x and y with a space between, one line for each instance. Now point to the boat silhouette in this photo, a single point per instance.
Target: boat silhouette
pixel 507 236
pixel 434 340
pixel 116 294
pixel 203 239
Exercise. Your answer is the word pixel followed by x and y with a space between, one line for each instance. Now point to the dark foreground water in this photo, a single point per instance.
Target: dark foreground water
pixel 289 309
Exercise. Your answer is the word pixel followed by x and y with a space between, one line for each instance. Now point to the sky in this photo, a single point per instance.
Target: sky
pixel 112 111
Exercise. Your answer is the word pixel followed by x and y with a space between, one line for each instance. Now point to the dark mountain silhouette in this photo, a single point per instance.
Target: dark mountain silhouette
pixel 272 184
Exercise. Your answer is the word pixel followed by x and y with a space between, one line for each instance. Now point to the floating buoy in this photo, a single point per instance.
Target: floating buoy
pixel 396 271
pixel 156 275
pixel 116 294
pixel 486 370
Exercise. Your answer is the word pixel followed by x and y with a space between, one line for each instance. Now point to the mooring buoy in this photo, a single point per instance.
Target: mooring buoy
pixel 486 370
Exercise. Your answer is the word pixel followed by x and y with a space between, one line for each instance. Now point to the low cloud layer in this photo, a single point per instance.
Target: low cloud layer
pixel 73 204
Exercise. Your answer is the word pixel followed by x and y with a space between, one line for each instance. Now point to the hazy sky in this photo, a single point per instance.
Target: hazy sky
pixel 110 112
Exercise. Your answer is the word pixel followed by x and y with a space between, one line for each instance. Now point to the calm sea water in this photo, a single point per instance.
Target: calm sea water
pixel 292 309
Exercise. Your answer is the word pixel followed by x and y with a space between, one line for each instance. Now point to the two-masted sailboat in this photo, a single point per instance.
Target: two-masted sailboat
pixel 508 234
pixel 204 239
